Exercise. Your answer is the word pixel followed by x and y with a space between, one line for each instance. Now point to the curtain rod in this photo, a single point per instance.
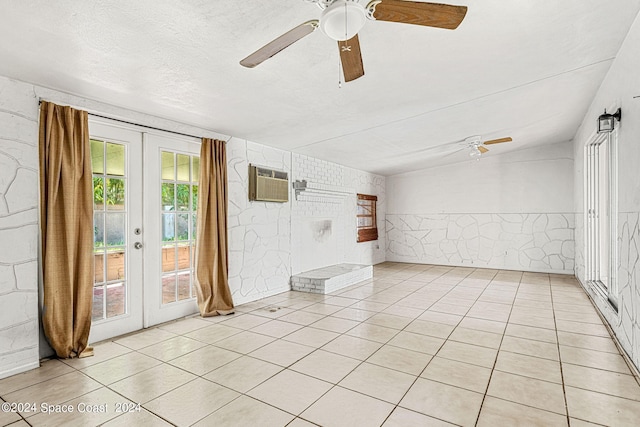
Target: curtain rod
pixel 144 126
pixel 138 124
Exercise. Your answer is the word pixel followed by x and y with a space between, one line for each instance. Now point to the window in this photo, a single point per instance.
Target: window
pixel 600 214
pixel 366 215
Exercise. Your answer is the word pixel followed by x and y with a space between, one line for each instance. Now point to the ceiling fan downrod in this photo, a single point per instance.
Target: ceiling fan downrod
pixel 323 4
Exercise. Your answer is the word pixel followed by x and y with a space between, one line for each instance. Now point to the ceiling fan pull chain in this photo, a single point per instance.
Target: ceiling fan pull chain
pixel 339 73
pixel 346 16
pixel 339 59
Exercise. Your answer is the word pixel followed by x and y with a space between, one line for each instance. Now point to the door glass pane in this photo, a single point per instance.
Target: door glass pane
pixel 115 266
pixel 98 263
pixel 168 227
pixel 115 229
pixel 184 286
pixel 182 227
pixel 182 197
pixel 168 200
pixel 168 258
pixel 97 156
pixel 168 288
pixel 195 169
pixel 115 299
pixel 194 198
pixel 98 304
pixel 98 193
pixel 183 167
pixel 603 213
pixel 115 159
pixel 168 169
pixel 98 229
pixel 184 257
pixel 115 194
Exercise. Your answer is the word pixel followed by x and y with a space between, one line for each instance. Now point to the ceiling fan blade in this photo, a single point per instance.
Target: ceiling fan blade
pixel 418 13
pixel 498 141
pixel 482 149
pixel 351 58
pixel 282 42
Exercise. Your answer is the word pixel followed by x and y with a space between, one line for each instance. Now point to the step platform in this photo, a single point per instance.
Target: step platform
pixel 332 278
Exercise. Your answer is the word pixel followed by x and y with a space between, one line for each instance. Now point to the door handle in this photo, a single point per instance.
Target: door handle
pixel 137 245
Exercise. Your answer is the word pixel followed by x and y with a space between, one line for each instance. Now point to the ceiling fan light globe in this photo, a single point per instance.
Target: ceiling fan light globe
pixel 342 20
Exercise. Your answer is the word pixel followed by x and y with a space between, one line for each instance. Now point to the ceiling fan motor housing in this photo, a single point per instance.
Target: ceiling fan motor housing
pixel 343 19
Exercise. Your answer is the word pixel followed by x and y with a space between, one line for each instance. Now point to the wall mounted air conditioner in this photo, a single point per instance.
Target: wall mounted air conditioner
pixel 268 185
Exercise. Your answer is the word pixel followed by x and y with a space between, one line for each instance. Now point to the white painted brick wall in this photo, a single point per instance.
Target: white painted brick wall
pixel 341 211
pixel 332 281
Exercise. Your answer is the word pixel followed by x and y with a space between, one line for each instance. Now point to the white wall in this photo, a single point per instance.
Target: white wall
pixel 619 87
pixel 510 211
pixel 260 234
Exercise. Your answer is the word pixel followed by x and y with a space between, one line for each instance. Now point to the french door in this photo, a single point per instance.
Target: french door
pixel 172 167
pixel 145 199
pixel 601 214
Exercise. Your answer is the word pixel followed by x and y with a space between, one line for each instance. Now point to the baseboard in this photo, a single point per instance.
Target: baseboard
pixel 20 369
pixel 486 267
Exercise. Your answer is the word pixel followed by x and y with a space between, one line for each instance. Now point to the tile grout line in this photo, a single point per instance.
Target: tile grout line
pixel 486 391
pixel 445 339
pixel 423 369
pixel 564 389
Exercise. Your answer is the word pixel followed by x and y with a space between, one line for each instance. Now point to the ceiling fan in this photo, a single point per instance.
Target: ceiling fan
pixel 476 145
pixel 342 19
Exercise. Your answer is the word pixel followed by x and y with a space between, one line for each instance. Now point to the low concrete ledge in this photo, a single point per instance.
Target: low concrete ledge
pixel 330 279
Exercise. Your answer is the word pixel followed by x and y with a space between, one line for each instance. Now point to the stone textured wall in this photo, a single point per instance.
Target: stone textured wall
pixel 628 276
pixel 625 322
pixel 18 228
pixel 531 242
pixel 259 232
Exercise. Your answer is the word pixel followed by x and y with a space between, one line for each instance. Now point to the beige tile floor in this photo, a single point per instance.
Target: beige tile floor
pixel 418 345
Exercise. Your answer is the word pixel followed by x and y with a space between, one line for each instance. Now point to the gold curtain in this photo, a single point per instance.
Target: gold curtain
pixel 66 219
pixel 211 265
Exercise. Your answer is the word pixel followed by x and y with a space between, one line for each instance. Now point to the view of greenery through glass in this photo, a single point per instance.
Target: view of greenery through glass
pixel 179 194
pixel 109 225
pixel 114 192
pixel 108 165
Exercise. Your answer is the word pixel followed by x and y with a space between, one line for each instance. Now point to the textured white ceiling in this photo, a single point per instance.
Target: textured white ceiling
pixel 525 69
